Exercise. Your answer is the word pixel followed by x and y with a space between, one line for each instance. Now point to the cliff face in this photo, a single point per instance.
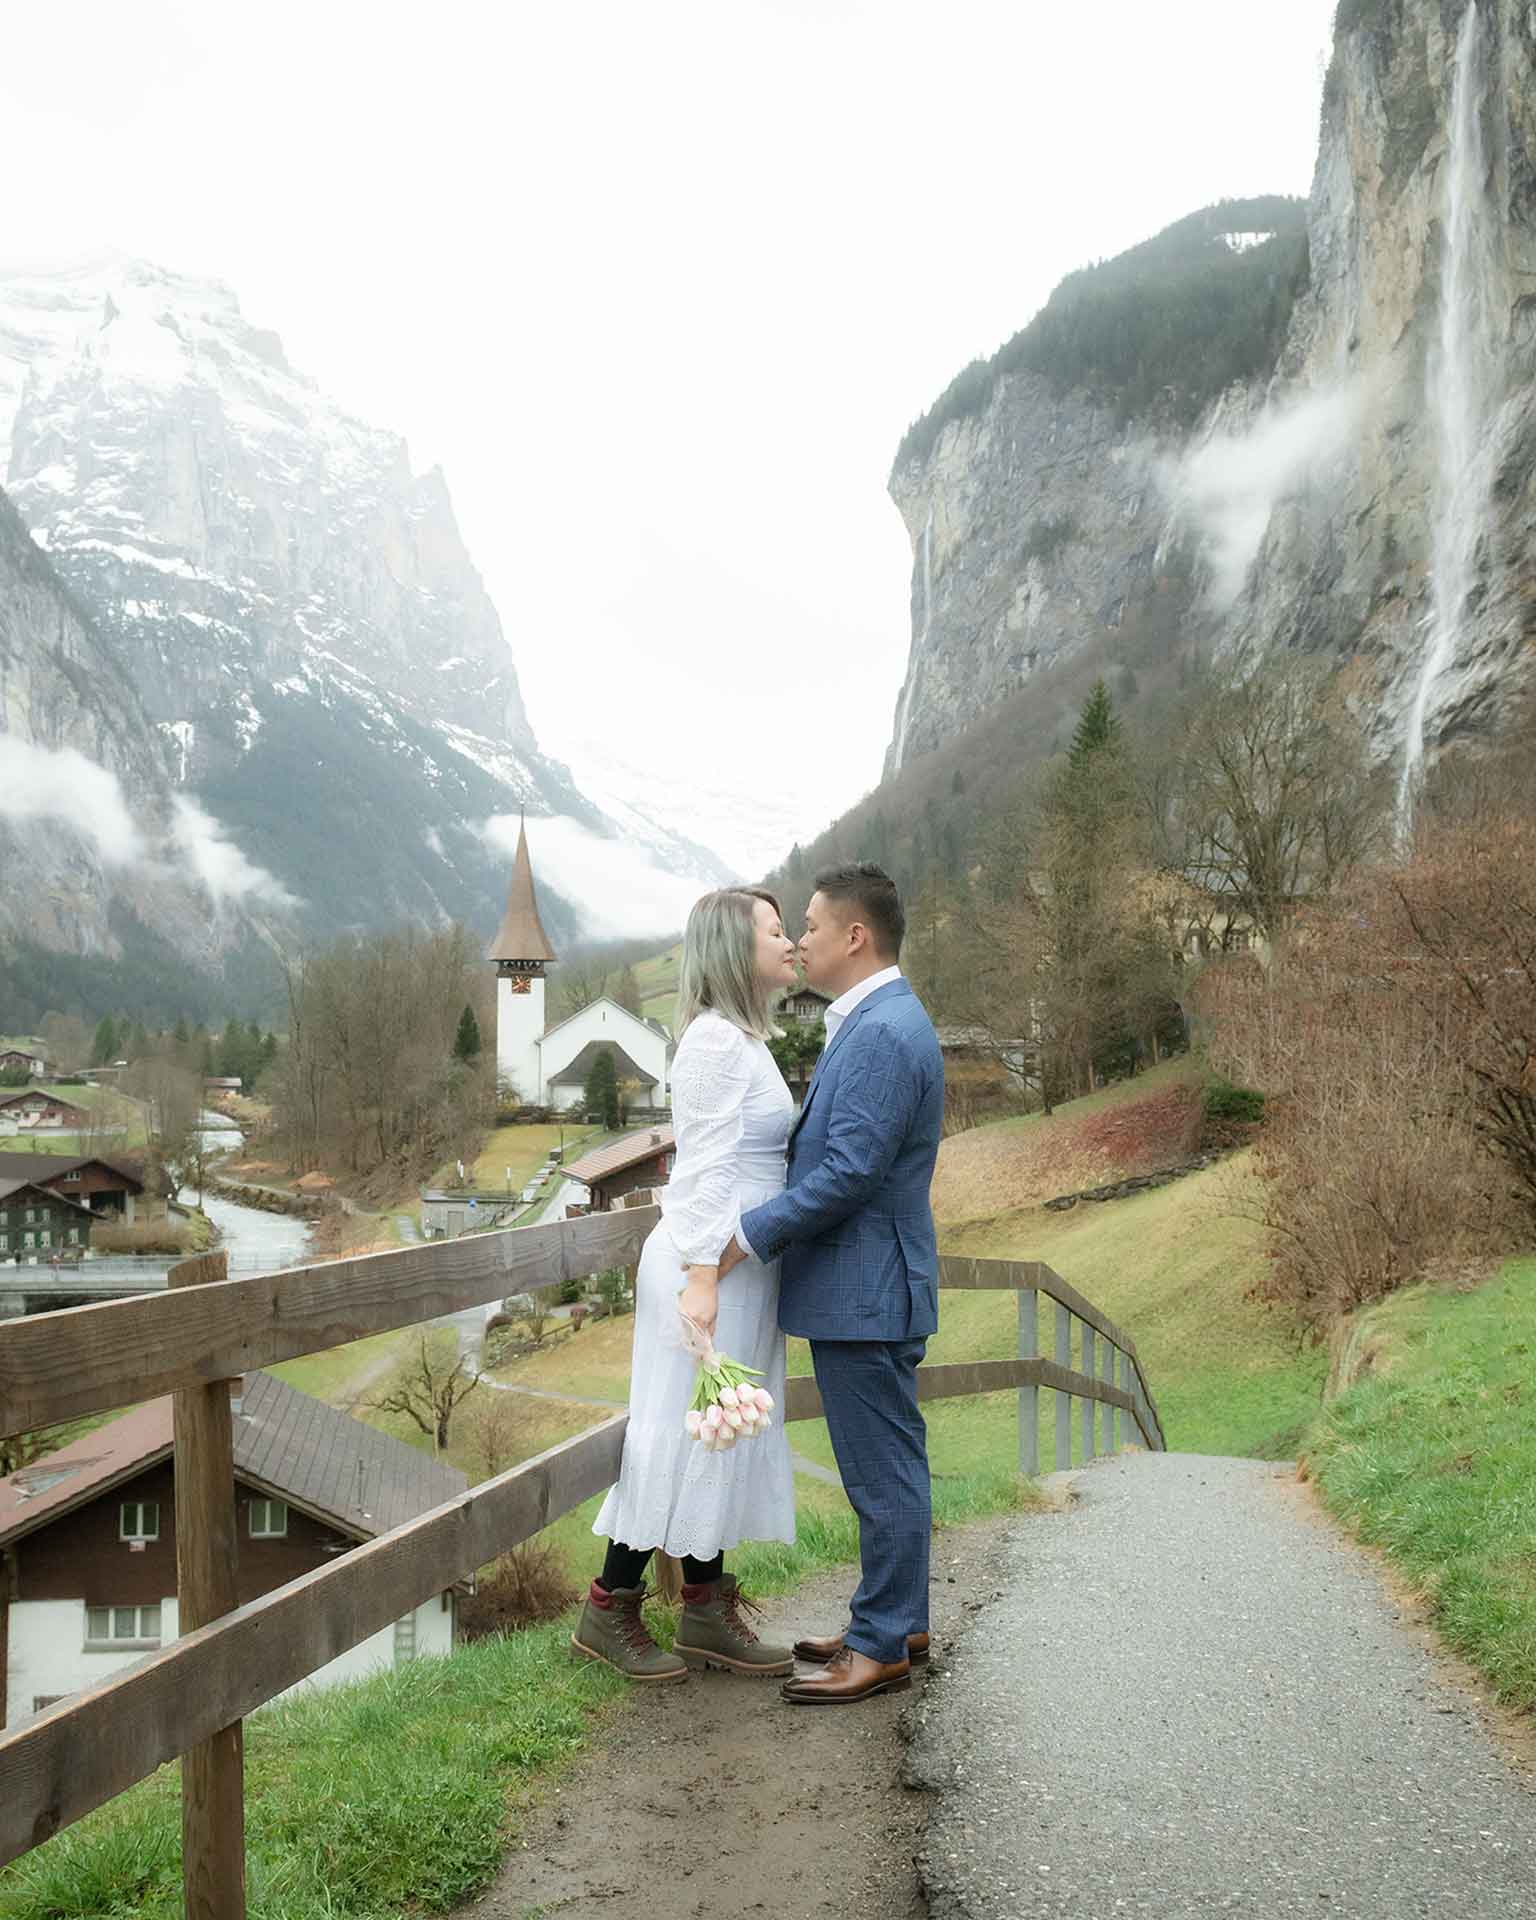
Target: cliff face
pixel 1371 491
pixel 87 819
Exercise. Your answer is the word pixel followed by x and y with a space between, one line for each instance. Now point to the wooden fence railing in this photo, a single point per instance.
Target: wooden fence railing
pixel 191 1697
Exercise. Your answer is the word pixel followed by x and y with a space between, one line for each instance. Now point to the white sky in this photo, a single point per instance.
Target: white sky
pixel 660 286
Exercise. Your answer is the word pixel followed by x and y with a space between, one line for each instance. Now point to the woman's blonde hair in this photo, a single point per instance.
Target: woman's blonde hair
pixel 719 971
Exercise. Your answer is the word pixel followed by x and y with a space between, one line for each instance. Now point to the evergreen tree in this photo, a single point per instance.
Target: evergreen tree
pixel 231 1050
pixel 182 1036
pixel 1098 728
pixel 104 1046
pixel 600 1094
pixel 138 1042
pixel 269 1049
pixel 466 1042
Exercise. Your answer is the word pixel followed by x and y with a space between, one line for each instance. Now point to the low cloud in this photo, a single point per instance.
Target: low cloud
pixel 43 783
pixel 615 890
pixel 218 864
pixel 1231 484
pixel 38 783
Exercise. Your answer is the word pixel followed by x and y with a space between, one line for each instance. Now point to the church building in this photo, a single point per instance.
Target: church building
pixel 548 1066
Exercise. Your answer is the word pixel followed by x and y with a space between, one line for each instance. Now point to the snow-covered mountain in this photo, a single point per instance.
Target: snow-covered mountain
pixel 294 605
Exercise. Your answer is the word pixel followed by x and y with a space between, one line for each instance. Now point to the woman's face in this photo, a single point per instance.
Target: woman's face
pixel 775 953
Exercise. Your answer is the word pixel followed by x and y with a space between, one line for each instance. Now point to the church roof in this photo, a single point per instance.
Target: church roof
pixel 575 1075
pixel 521 935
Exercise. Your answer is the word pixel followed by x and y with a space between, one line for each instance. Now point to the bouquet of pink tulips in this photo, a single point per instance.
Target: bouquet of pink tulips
pixel 726 1406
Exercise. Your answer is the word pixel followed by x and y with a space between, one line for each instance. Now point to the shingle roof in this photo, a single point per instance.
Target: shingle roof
pixel 9 1186
pixel 521 935
pixel 575 1074
pixel 338 1468
pixel 623 1153
pixel 46 1168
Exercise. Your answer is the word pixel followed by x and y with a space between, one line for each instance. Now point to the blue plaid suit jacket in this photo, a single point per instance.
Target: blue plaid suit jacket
pixel 853 1229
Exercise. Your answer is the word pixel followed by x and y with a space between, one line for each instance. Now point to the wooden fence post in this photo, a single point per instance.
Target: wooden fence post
pixel 1110 1413
pixel 1029 1397
pixel 1090 1407
pixel 212 1773
pixel 1063 1400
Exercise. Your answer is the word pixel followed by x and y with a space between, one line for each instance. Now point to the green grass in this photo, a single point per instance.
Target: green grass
pixel 1171 1268
pixel 385 1796
pixel 1432 1458
pixel 657 981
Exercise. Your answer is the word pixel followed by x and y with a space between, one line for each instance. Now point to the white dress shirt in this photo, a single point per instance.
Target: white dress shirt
pixel 845 1003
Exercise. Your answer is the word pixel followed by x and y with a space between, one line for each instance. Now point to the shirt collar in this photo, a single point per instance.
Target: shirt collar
pixel 845 1003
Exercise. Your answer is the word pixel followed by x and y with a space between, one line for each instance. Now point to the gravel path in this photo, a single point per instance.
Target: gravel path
pixel 1192 1696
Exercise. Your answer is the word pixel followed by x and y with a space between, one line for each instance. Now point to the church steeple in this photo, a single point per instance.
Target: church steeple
pixel 521 944
pixel 520 951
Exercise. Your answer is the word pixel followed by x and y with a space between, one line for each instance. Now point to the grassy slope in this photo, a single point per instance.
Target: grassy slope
pixel 657 979
pixel 1432 1457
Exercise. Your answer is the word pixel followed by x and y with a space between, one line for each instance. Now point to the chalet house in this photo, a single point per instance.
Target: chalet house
pixel 88 1538
pixel 802 1004
pixel 106 1187
pixel 642 1051
pixel 638 1160
pixel 34 1220
pixel 38 1111
pixel 12 1058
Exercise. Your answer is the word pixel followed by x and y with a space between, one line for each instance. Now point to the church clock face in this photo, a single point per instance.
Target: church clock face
pixel 521 983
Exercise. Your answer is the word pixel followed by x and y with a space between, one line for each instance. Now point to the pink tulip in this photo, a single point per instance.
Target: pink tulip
pixel 725 1440
pixel 713 1414
pixel 728 1397
pixel 763 1398
pixel 733 1419
pixel 692 1421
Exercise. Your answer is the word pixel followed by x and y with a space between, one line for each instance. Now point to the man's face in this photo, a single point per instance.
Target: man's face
pixel 829 945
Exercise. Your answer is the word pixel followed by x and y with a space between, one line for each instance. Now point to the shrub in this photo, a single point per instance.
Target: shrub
pixel 613 1290
pixel 570 1292
pixel 520 1589
pixel 1243 1106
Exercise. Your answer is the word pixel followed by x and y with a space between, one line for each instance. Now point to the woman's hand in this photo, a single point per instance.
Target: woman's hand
pixel 700 1299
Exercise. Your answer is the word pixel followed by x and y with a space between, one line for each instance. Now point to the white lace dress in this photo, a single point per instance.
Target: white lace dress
pixel 731 1111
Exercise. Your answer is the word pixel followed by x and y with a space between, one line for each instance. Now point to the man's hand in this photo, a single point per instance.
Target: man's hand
pixel 732 1257
pixel 700 1299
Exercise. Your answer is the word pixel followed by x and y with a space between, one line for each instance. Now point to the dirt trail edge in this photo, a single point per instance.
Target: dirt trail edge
pixel 799 1811
pixel 1194 1696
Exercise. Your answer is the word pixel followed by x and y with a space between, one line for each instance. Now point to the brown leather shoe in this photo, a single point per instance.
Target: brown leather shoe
pixel 847 1677
pixel 819 1652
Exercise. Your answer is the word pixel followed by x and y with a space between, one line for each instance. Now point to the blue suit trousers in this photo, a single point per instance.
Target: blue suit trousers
pixel 869 1396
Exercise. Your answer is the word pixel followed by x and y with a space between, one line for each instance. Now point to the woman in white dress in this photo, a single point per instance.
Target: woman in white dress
pixel 731 1113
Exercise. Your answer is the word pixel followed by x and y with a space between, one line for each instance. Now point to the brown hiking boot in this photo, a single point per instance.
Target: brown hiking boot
pixel 714 1632
pixel 611 1630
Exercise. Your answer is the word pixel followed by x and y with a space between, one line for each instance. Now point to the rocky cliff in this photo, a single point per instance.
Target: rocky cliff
pixel 291 604
pixel 89 826
pixel 1365 486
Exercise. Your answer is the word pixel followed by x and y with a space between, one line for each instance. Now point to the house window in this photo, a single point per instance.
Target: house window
pixel 5 1242
pixel 70 1180
pixel 45 1238
pixel 269 1520
pixel 31 1215
pixel 74 1236
pixel 139 1520
pixel 28 1239
pixel 122 1626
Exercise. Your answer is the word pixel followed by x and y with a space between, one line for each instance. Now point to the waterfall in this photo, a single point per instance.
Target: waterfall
pixel 1460 388
pixel 919 644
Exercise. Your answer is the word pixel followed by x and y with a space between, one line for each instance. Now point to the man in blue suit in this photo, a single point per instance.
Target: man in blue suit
pixel 859 1266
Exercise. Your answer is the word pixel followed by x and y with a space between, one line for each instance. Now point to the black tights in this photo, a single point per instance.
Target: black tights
pixel 624 1568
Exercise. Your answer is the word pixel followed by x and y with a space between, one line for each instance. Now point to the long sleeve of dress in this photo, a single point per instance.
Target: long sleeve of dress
pixel 710 1079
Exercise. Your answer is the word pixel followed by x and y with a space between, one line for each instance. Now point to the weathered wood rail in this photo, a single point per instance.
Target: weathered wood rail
pixel 191 1697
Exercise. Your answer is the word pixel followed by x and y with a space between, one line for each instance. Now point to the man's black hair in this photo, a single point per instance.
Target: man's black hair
pixel 867 893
